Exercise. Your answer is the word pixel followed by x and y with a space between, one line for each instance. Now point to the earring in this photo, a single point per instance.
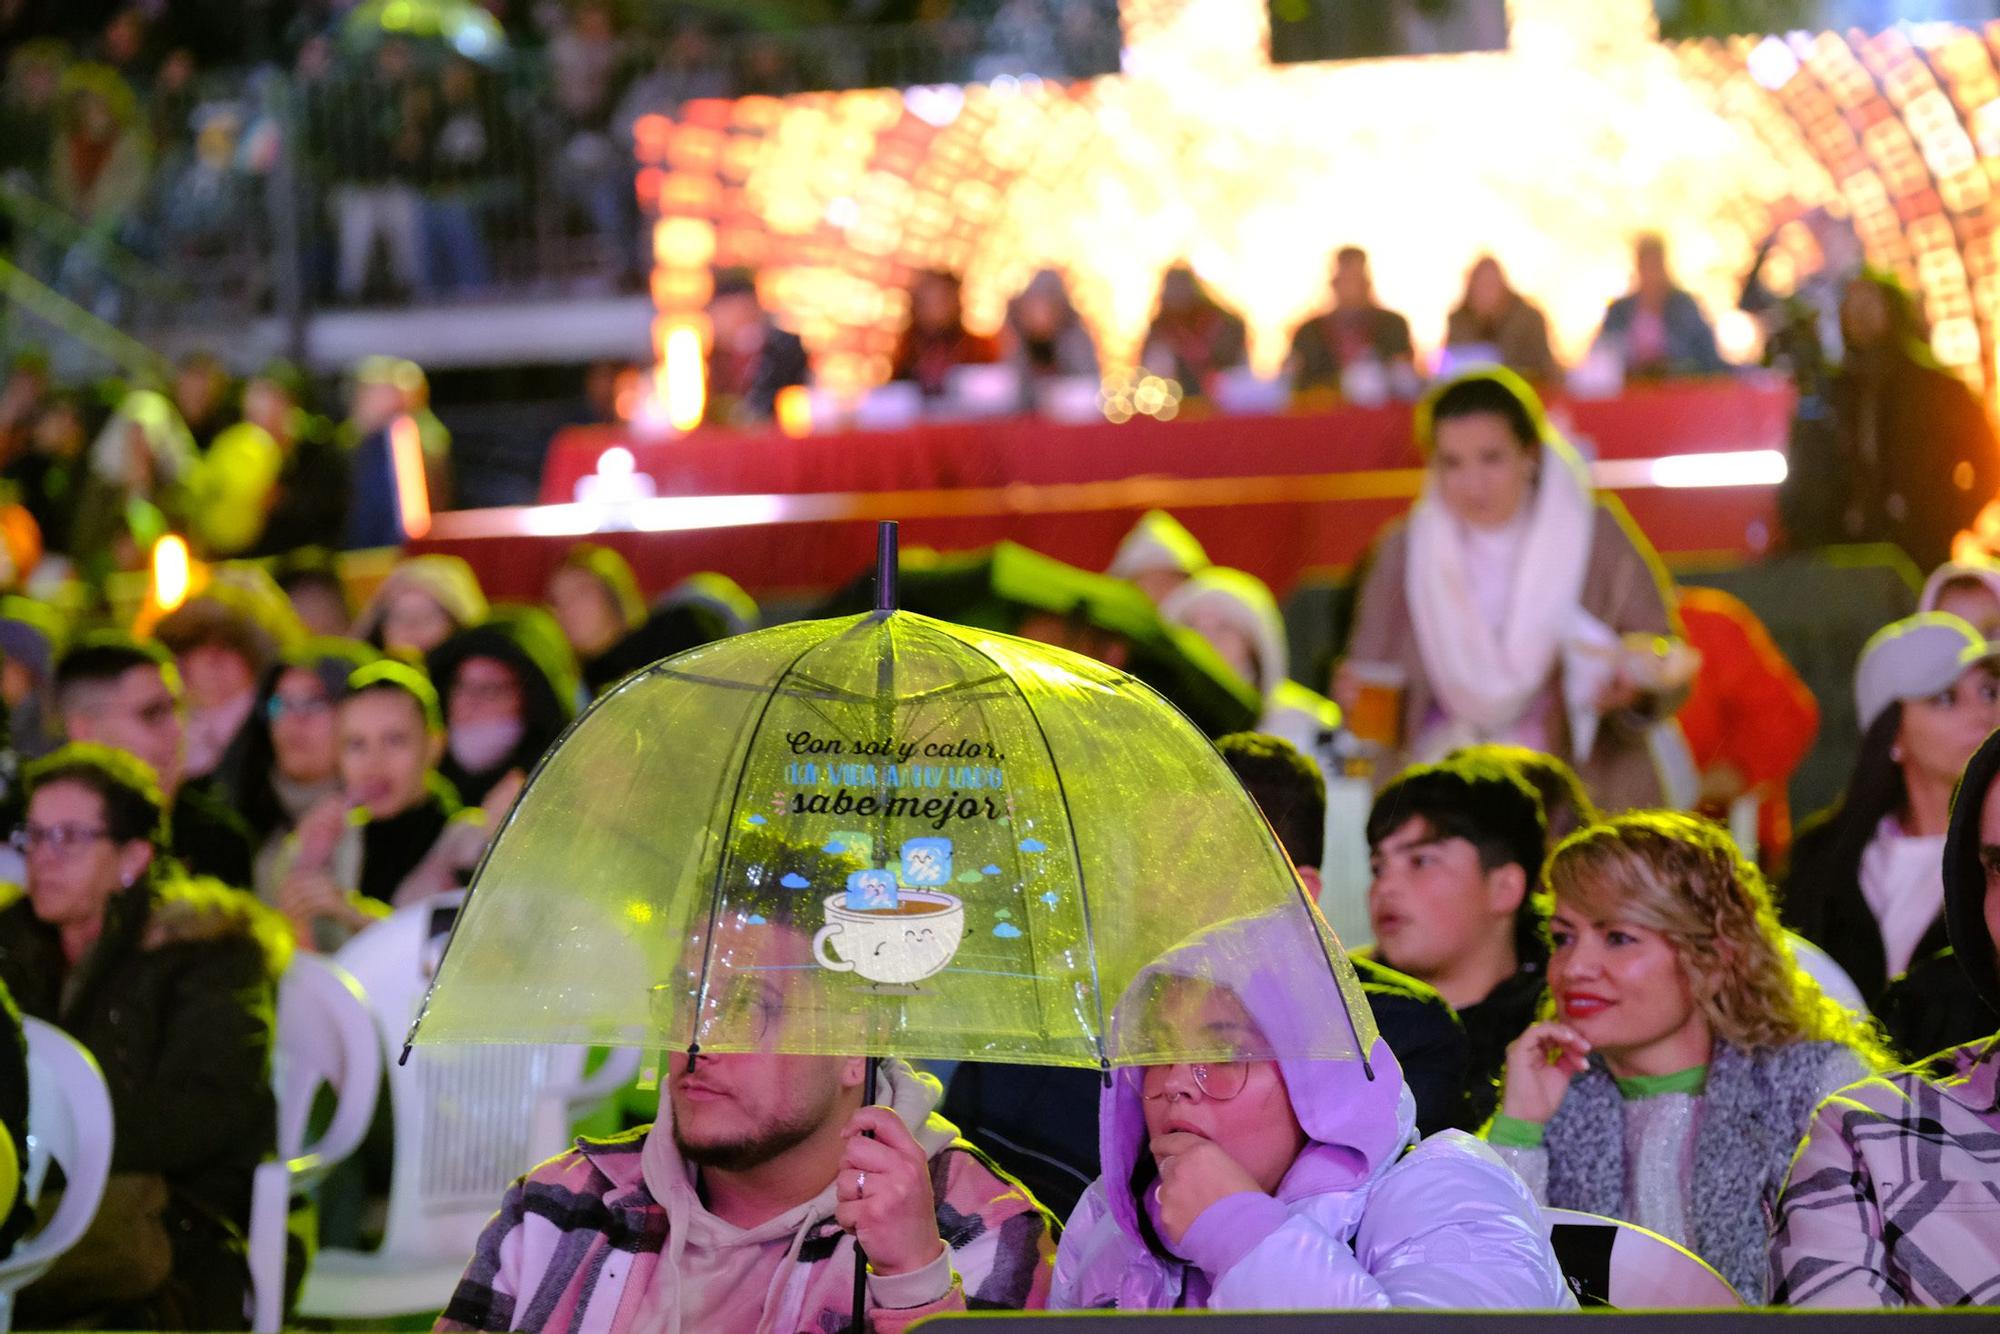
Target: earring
pixel 1896 754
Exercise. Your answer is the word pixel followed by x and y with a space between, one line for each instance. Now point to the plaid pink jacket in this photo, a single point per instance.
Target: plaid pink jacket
pixel 1894 1198
pixel 576 1243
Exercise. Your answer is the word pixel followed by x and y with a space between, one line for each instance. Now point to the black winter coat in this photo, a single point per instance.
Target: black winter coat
pixel 176 1002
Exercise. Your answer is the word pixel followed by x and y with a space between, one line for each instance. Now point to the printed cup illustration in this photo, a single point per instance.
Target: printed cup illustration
pixel 1378 706
pixel 894 946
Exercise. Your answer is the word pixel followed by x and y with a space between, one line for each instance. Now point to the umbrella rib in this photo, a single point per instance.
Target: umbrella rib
pixel 722 865
pixel 823 690
pixel 486 855
pixel 1076 856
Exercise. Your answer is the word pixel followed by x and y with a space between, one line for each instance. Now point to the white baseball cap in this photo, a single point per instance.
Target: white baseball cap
pixel 1914 658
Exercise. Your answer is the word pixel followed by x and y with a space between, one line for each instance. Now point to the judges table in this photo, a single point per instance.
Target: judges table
pixel 1276 495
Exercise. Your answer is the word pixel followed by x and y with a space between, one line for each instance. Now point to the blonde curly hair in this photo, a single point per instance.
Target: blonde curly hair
pixel 1682 876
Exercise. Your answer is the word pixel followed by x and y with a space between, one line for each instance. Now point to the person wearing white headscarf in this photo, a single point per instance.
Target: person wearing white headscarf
pixel 1239 618
pixel 1516 605
pixel 1158 555
pixel 1969 590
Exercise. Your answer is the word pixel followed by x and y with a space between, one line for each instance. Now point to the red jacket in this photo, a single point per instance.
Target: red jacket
pixel 1748 708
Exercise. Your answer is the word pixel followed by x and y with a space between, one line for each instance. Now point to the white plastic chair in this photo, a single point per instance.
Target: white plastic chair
pixel 1609 1262
pixel 1832 978
pixel 69 1122
pixel 468 1120
pixel 326 1037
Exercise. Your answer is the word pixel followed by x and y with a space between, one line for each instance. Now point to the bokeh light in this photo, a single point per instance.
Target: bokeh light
pixel 1551 155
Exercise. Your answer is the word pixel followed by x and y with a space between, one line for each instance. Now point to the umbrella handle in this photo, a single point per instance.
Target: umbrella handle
pixel 826 957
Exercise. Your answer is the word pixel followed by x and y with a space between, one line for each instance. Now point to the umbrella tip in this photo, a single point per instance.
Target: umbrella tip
pixel 886 564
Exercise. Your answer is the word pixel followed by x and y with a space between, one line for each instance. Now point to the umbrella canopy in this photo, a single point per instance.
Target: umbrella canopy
pixel 878 834
pixel 1006 586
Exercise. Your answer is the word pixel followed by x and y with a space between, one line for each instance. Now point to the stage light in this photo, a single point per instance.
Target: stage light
pixel 173 572
pixel 1749 467
pixel 413 493
pixel 794 410
pixel 681 383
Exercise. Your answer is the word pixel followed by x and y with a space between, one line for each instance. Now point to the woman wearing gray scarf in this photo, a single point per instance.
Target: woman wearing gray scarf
pixel 1686 1049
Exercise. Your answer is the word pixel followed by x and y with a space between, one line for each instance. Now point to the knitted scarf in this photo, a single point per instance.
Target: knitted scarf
pixel 1753 1115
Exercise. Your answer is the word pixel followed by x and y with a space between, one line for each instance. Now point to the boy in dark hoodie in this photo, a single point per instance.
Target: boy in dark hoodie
pixel 1893 1196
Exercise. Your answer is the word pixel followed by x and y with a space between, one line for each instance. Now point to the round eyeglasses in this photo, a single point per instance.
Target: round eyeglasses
pixel 1218 1080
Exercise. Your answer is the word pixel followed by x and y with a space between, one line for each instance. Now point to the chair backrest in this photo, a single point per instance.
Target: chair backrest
pixel 326 1038
pixel 468 1120
pixel 1611 1263
pixel 1832 978
pixel 69 1124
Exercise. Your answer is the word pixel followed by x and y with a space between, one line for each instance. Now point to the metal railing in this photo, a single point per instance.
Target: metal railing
pixel 425 177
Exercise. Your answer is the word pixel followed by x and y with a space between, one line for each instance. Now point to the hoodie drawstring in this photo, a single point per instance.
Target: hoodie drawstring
pixel 784 1271
pixel 677 1230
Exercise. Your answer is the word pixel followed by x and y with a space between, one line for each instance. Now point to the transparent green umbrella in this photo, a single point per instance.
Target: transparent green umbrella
pixel 873 835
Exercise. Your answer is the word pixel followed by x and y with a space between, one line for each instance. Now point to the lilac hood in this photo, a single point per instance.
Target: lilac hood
pixel 1357 1221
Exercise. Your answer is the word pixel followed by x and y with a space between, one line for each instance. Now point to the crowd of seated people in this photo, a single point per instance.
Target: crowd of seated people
pixel 1588 998
pixel 1356 350
pixel 433 151
pixel 92 473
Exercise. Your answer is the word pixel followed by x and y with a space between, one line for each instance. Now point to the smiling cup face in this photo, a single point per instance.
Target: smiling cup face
pixel 893 946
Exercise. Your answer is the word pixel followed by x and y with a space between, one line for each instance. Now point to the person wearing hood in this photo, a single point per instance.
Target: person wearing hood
pixel 394 834
pixel 1891 1199
pixel 595 597
pixel 1864 883
pixel 700 609
pixel 169 982
pixel 1158 555
pixel 1036 1121
pixel 1969 590
pixel 509 689
pixel 424 601
pixel 31 640
pixel 1239 618
pixel 1284 1178
pixel 1685 1048
pixel 1511 604
pixel 740 1207
pixel 290 760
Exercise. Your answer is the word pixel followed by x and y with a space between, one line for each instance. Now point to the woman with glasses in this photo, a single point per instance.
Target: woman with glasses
pixel 290 752
pixel 169 983
pixel 1264 1178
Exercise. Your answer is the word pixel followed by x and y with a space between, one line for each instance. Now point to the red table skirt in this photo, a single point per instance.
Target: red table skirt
pixel 1278 496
